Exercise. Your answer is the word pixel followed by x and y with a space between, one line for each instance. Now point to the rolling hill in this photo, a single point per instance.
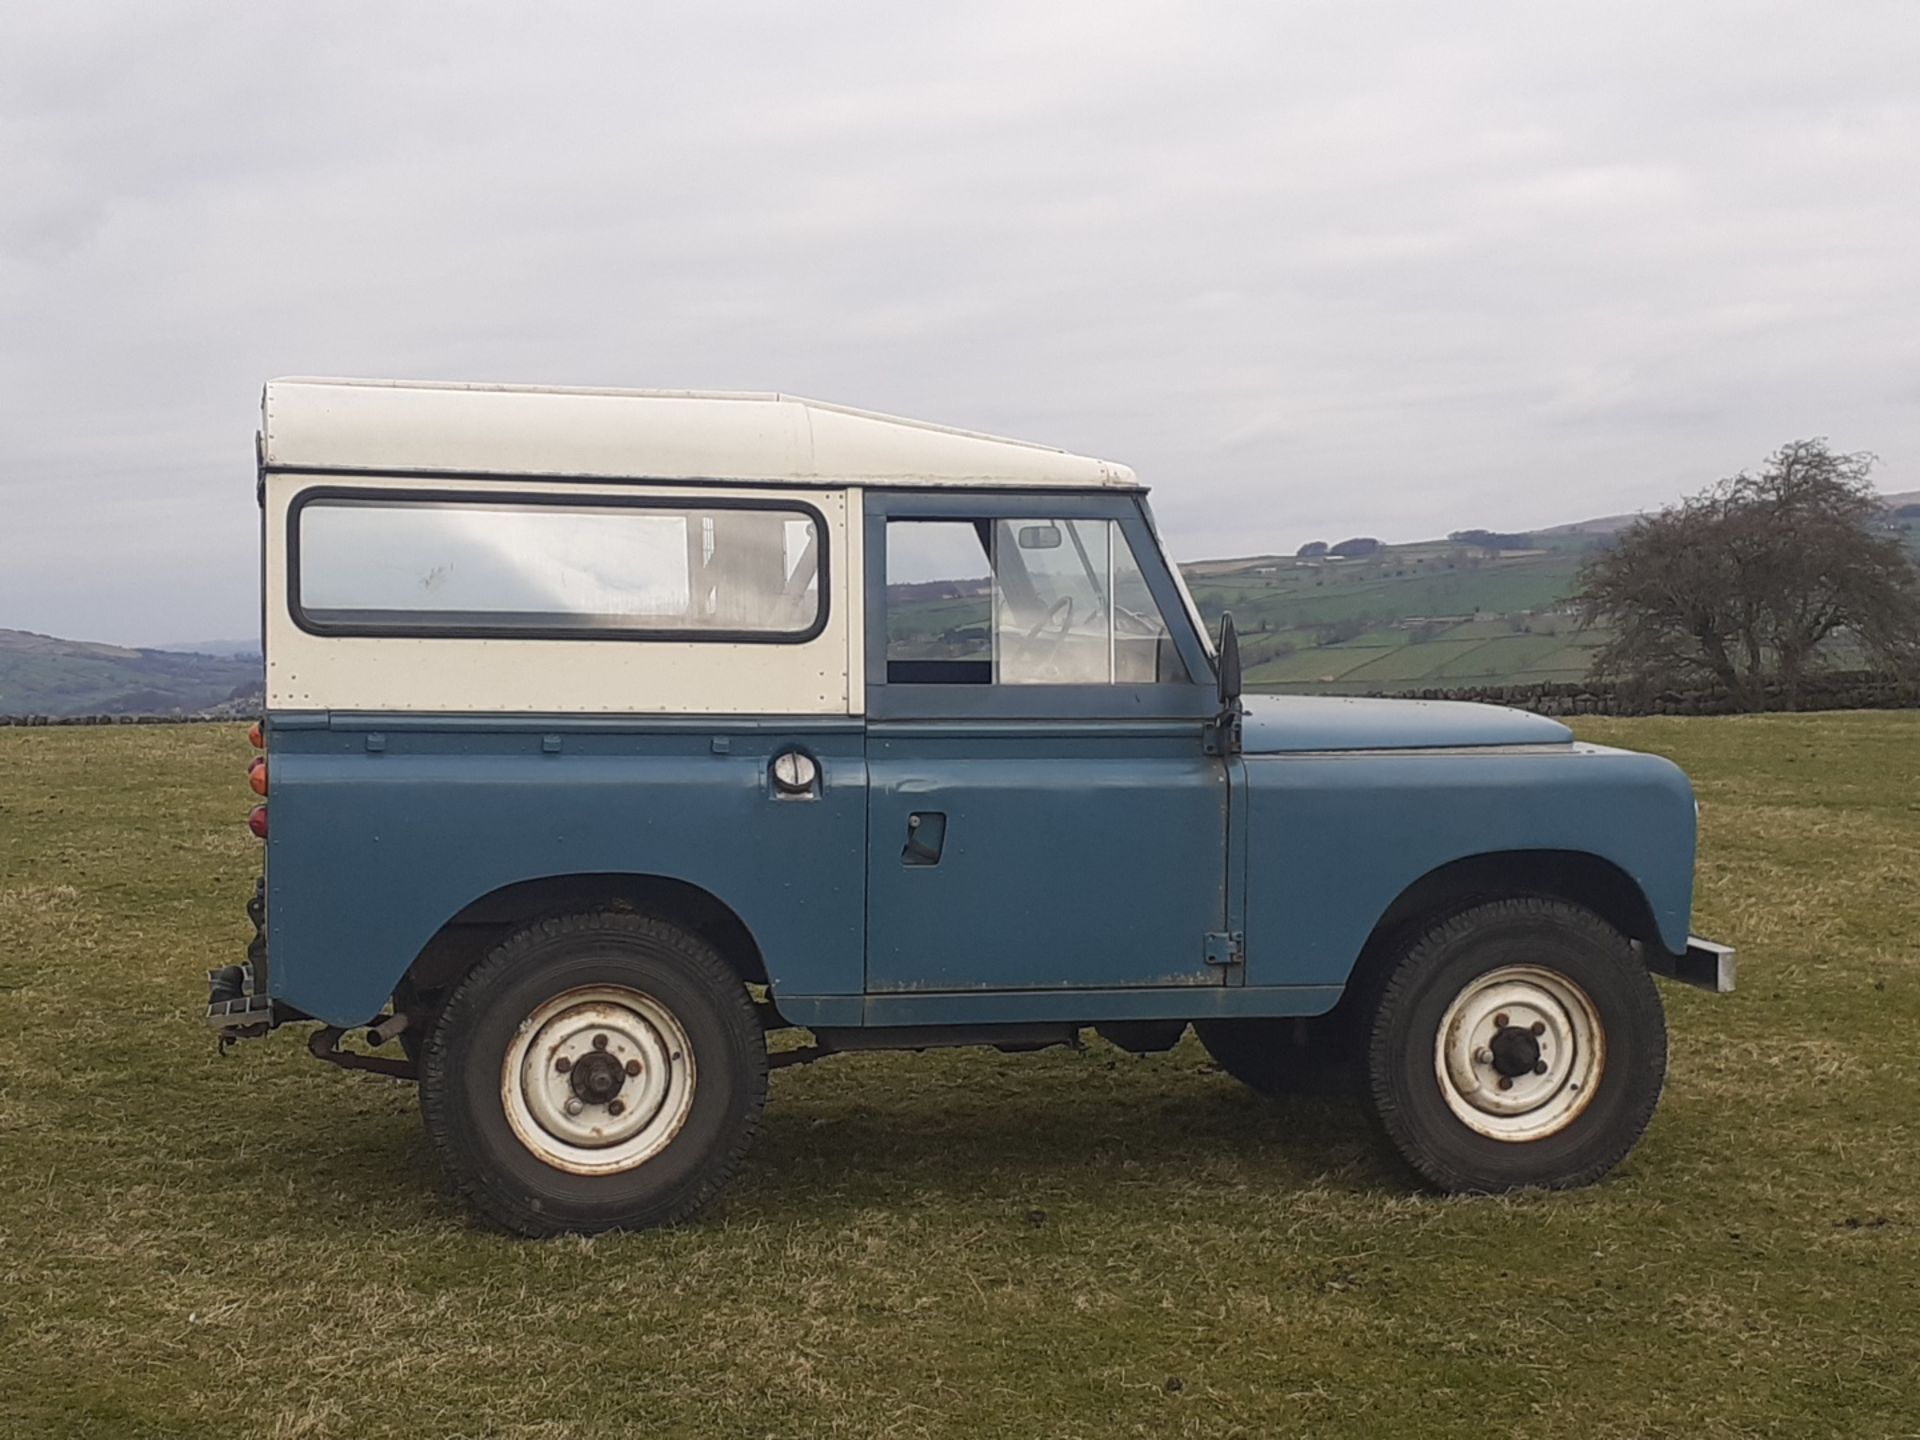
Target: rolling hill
pixel 1434 615
pixel 41 675
pixel 1444 614
pixel 1428 615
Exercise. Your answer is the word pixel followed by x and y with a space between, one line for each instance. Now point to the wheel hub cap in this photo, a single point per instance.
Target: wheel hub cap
pixel 1515 1051
pixel 598 1080
pixel 1519 1053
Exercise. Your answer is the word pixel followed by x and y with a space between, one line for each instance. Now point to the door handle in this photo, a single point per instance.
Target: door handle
pixel 926 837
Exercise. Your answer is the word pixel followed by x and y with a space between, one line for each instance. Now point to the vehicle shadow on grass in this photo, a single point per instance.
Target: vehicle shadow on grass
pixel 865 1132
pixel 1053 1138
pixel 331 1149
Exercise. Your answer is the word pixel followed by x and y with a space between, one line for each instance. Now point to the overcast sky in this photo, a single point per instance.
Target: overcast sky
pixel 1312 269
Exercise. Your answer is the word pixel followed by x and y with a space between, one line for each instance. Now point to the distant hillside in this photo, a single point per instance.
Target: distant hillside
pixel 1477 609
pixel 225 649
pixel 40 675
pixel 1433 615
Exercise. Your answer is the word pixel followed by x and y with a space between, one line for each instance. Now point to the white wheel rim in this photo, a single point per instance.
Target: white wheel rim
pixel 598 1080
pixel 1490 1029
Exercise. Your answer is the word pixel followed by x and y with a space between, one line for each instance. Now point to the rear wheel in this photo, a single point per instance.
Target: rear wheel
pixel 1519 1043
pixel 595 1072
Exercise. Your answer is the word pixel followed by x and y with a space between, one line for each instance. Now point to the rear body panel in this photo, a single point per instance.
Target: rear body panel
pixel 384 829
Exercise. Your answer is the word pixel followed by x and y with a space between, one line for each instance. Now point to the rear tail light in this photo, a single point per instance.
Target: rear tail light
pixel 257 821
pixel 257 775
pixel 256 737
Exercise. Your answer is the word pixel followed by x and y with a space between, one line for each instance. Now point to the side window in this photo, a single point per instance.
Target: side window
pixel 995 601
pixel 939 603
pixel 1142 649
pixel 449 566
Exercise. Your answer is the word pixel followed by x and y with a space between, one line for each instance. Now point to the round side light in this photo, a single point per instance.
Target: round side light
pixel 256 737
pixel 257 821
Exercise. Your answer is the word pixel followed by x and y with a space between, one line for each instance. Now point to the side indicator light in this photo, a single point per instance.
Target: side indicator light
pixel 257 821
pixel 257 775
pixel 256 737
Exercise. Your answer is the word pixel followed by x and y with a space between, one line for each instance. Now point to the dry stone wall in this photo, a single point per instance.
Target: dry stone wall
pixel 1833 690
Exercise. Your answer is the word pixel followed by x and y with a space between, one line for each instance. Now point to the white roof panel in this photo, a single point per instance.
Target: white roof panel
pixel 388 426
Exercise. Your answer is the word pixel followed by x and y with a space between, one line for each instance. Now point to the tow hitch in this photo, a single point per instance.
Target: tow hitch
pixel 235 1007
pixel 238 1007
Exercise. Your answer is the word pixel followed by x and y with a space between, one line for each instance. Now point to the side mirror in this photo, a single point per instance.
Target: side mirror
pixel 1229 648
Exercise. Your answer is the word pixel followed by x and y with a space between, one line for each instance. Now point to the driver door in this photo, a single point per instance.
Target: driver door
pixel 1042 810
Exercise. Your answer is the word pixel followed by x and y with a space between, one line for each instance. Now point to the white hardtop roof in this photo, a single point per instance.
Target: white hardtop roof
pixel 419 427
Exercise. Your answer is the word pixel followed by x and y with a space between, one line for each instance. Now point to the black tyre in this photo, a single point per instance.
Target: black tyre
pixel 594 1072
pixel 1311 1055
pixel 1519 1043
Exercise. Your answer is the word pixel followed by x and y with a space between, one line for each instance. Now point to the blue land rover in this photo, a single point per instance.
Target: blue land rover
pixel 609 731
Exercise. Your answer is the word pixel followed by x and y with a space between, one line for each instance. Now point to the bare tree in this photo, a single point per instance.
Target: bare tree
pixel 1750 581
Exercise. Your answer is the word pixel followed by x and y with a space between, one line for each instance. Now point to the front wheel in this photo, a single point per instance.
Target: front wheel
pixel 595 1072
pixel 1519 1043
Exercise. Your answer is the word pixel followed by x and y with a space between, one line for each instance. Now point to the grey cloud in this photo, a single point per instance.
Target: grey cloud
pixel 1311 268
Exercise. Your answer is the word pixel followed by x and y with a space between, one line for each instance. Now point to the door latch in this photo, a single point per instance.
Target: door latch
pixel 926 838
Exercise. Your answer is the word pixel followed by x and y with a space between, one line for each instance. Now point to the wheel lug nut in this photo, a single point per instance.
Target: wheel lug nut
pixel 1501 1020
pixel 614 1107
pixel 599 1042
pixel 633 1067
pixel 574 1107
pixel 1539 1067
pixel 1539 1027
pixel 563 1064
pixel 1506 1082
pixel 1483 1056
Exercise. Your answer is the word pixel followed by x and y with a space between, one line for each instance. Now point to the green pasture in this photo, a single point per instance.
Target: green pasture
pixel 1078 1243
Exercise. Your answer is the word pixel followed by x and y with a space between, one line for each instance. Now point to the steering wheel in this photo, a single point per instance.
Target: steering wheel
pixel 1065 602
pixel 1063 607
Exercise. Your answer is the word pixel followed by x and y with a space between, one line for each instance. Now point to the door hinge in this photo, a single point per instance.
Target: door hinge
pixel 1222 736
pixel 1226 947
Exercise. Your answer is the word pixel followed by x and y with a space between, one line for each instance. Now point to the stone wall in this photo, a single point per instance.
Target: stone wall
pixel 1832 690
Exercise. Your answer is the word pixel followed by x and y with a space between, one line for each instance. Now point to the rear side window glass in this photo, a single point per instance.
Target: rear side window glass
pixel 365 565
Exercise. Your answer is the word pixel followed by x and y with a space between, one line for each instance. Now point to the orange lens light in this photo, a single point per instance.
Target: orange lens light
pixel 257 775
pixel 256 737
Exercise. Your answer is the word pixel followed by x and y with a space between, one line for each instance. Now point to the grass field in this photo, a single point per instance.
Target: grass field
pixel 1411 617
pixel 1472 652
pixel 1413 599
pixel 961 1244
